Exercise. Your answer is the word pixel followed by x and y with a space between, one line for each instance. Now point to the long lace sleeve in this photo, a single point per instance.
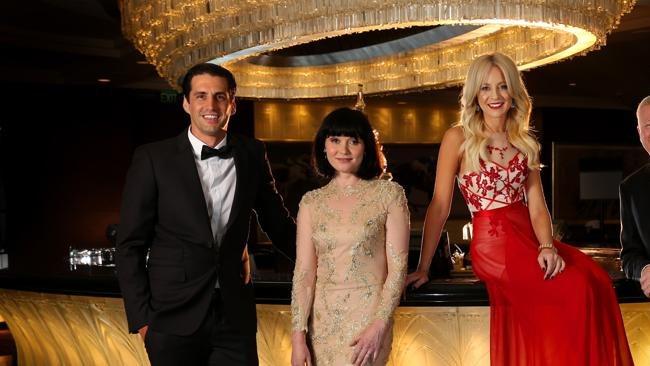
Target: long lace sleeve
pixel 397 242
pixel 304 274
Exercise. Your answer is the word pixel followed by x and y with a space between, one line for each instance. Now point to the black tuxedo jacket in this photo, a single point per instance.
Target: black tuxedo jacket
pixel 164 211
pixel 634 193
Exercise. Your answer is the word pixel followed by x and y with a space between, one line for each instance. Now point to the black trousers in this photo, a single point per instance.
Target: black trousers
pixel 216 342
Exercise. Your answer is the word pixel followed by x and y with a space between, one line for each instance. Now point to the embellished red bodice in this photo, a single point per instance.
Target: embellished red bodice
pixel 494 185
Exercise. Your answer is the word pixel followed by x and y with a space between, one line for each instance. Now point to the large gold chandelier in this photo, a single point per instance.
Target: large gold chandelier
pixel 176 34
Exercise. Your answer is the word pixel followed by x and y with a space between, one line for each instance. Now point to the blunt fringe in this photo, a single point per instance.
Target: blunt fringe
pixel 350 123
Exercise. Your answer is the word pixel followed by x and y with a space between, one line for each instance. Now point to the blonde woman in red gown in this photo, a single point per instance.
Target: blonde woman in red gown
pixel 549 303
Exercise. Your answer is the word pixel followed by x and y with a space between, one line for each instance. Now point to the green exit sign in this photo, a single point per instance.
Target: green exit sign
pixel 168 96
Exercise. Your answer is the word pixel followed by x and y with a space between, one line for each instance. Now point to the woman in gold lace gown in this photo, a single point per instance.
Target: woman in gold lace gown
pixel 352 245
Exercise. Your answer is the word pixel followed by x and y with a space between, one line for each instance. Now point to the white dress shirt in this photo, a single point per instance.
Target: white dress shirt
pixel 218 181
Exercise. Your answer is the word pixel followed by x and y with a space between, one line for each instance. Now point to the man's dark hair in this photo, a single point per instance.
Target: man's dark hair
pixel 211 69
pixel 351 123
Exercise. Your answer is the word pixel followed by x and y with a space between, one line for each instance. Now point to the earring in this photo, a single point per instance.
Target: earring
pixel 513 106
pixel 478 109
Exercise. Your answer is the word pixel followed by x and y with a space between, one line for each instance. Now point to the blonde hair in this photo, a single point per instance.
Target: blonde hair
pixel 517 123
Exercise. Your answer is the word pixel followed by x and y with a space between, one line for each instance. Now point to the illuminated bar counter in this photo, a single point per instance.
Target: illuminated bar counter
pixel 59 315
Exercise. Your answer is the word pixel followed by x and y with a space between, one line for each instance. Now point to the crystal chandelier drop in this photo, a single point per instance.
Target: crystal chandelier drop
pixel 360 104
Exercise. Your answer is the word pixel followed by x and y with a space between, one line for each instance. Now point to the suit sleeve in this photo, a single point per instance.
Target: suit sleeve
pixel 633 253
pixel 273 216
pixel 137 220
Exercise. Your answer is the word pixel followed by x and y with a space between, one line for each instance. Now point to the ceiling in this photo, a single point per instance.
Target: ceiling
pixel 77 42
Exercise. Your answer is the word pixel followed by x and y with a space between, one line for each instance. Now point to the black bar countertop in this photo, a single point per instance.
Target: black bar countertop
pixel 56 275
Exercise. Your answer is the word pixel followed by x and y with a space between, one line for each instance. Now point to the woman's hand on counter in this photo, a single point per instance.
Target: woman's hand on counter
pixel 416 279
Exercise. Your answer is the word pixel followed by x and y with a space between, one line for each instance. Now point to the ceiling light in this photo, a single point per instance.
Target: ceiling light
pixel 241 35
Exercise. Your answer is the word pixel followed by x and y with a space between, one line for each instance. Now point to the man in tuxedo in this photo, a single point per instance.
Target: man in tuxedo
pixel 182 258
pixel 634 194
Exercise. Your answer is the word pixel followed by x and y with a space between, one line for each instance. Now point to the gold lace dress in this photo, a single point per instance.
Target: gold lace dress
pixel 352 246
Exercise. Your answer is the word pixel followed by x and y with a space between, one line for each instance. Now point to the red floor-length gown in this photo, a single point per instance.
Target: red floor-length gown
pixel 573 319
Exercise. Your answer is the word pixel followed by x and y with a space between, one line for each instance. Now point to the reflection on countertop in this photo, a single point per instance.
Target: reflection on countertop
pixel 81 273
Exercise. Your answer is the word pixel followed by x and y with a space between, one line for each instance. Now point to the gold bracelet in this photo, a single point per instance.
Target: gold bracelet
pixel 547 246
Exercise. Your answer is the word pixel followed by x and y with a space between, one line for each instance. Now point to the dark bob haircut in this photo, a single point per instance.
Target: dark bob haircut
pixel 210 69
pixel 351 123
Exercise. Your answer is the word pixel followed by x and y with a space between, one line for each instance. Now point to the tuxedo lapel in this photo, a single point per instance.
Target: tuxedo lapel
pixel 241 167
pixel 190 177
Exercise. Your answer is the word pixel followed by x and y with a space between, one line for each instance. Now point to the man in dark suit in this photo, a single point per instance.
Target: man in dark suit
pixel 188 202
pixel 634 194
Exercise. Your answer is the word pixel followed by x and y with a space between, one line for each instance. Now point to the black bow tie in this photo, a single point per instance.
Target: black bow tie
pixel 223 152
